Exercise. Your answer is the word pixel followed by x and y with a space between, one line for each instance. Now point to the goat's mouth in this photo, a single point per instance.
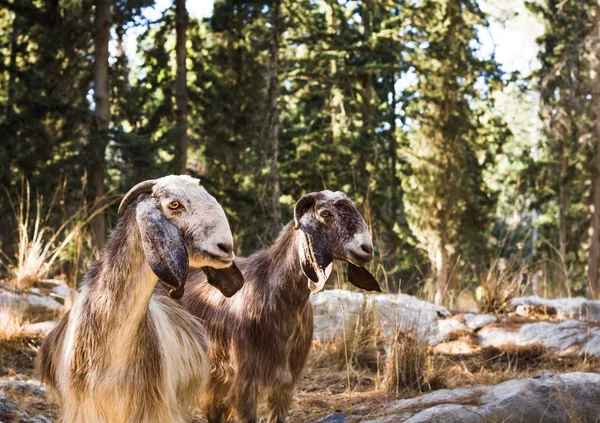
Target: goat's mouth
pixel 204 258
pixel 358 259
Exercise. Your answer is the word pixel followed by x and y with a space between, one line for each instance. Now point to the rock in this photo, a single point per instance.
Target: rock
pixel 566 337
pixel 11 412
pixel 35 419
pixel 27 302
pixel 30 387
pixel 547 398
pixel 477 321
pixel 394 311
pixel 61 290
pixel 41 328
pixel 565 308
pixel 339 418
pixel 442 329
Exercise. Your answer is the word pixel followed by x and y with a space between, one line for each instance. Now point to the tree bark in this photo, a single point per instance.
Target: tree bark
pixel 181 86
pixel 393 150
pixel 594 253
pixel 562 212
pixel 442 263
pixel 12 67
pixel 6 149
pixel 274 119
pixel 97 164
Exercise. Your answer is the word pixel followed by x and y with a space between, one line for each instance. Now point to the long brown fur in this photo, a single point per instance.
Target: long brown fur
pixel 261 337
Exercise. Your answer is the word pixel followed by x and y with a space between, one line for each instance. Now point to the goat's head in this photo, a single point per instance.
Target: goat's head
pixel 182 225
pixel 330 228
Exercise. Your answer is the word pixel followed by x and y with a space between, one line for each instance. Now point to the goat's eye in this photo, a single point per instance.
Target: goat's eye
pixel 174 205
pixel 324 213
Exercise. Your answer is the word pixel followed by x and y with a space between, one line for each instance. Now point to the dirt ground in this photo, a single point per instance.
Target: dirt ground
pixel 331 385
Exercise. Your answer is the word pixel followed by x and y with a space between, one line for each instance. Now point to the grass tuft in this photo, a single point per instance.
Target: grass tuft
pixel 500 284
pixel 11 324
pixel 365 344
pixel 410 366
pixel 40 246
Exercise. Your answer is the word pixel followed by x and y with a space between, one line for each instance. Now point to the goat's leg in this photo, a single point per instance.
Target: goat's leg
pixel 244 399
pixel 217 411
pixel 279 401
pixel 216 406
pixel 282 393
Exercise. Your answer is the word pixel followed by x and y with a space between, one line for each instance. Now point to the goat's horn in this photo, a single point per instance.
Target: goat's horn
pixel 133 193
pixel 299 207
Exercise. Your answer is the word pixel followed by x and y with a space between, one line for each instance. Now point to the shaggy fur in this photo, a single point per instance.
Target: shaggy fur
pixel 261 337
pixel 126 352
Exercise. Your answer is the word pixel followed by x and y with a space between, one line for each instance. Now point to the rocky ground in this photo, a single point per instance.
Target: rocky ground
pixel 539 362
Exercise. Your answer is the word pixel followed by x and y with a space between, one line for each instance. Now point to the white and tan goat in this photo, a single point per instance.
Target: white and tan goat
pixel 126 352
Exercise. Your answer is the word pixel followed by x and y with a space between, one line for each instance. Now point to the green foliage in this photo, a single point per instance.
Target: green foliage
pixel 391 102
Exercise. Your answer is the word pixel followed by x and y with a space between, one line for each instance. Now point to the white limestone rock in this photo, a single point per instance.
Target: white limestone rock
pixel 566 308
pixel 478 321
pixel 547 398
pixel 394 311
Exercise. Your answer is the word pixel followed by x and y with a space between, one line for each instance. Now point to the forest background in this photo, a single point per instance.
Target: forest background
pixel 467 131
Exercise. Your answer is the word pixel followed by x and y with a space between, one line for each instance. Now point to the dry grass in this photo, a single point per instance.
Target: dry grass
pixel 365 343
pixel 11 324
pixel 40 246
pixel 500 284
pixel 410 367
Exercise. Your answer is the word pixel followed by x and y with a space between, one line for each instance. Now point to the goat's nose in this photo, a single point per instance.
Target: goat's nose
pixel 367 249
pixel 225 247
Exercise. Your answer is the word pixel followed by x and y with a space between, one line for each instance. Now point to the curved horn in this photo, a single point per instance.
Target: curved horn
pixel 134 192
pixel 300 206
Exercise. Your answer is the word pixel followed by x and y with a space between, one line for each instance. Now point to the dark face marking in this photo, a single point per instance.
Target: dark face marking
pixel 333 228
pixel 163 245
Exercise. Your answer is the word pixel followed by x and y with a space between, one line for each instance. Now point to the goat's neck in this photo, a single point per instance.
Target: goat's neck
pixel 290 282
pixel 122 287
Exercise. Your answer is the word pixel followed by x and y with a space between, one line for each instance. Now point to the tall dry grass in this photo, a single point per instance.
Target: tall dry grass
pixel 364 344
pixel 40 246
pixel 11 323
pixel 410 366
pixel 500 283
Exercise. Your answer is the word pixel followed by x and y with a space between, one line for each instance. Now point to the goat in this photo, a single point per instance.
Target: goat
pixel 126 352
pixel 262 336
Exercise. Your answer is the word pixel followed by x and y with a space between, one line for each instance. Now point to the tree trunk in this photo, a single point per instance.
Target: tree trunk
pixel 594 253
pixel 6 149
pixel 274 118
pixel 12 67
pixel 99 138
pixel 562 213
pixel 181 86
pixel 594 288
pixel 442 274
pixel 336 101
pixel 393 151
pixel 442 261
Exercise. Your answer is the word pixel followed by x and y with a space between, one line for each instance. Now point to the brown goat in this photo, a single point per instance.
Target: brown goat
pixel 126 352
pixel 261 337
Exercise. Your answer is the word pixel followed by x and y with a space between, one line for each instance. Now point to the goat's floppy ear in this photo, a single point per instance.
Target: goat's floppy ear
pixel 228 280
pixel 302 206
pixel 163 244
pixel 362 278
pixel 314 247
